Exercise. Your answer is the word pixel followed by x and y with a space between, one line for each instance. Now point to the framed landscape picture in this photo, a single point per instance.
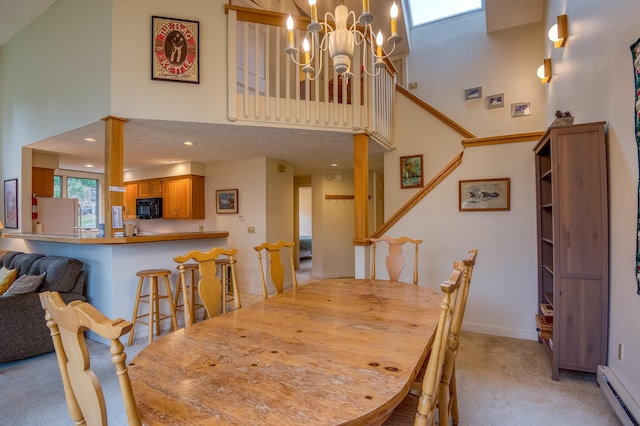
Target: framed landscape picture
pixel 11 203
pixel 484 194
pixel 175 50
pixel 411 171
pixel 227 201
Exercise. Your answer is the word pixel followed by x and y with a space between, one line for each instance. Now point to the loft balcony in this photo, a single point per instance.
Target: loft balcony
pixel 265 86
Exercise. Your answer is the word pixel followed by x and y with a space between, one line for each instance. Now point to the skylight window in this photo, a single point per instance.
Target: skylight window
pixel 425 11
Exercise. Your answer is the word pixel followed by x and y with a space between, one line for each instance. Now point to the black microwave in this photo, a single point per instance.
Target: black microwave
pixel 149 208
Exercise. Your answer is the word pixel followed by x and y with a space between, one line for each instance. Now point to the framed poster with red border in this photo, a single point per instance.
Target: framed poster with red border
pixel 175 49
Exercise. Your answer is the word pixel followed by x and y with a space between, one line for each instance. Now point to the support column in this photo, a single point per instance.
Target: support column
pixel 361 187
pixel 113 191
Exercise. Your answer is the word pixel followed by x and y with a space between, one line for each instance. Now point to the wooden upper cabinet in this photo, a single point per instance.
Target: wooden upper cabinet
pixel 150 188
pixel 183 197
pixel 130 195
pixel 42 181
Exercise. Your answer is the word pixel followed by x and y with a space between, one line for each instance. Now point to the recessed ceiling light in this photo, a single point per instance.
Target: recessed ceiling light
pixel 334 165
pixel 188 143
pixel 89 165
pixel 173 161
pixel 89 139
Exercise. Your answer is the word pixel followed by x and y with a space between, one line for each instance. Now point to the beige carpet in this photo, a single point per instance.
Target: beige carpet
pixel 505 381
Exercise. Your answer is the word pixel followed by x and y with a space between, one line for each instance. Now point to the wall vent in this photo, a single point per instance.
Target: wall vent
pixel 625 407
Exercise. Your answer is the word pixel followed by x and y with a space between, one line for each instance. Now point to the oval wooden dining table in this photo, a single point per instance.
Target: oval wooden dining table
pixel 333 352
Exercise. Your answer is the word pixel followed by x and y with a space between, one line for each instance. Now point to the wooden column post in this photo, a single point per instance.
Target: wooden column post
pixel 113 191
pixel 361 187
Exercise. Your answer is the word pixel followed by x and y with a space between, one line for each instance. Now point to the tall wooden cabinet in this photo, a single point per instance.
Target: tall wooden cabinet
pixel 573 251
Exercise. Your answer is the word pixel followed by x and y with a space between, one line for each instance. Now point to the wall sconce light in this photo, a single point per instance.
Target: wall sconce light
pixel 558 33
pixel 544 71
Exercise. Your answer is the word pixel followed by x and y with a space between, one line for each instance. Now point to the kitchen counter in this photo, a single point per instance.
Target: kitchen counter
pixel 91 239
pixel 112 263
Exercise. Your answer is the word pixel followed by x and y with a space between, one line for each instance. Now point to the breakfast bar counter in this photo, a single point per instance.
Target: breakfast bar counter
pixel 112 263
pixel 92 239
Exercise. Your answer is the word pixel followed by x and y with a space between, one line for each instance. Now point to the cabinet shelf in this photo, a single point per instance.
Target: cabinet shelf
pixel 571 168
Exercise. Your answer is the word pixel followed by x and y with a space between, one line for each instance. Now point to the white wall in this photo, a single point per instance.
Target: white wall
pixel 333 225
pixel 457 54
pixel 593 77
pixel 248 177
pixel 135 95
pixel 503 297
pixel 54 77
pixel 305 207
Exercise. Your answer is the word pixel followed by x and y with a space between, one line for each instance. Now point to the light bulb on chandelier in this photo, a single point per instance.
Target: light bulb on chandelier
pixel 342 39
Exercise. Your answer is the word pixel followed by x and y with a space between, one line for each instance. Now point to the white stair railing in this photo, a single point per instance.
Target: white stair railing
pixel 265 86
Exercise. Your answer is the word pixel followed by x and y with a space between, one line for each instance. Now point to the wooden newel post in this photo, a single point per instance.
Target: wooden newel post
pixel 361 186
pixel 113 191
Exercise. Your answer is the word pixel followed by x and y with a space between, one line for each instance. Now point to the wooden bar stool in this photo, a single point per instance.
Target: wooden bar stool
pixel 229 285
pixel 191 286
pixel 153 298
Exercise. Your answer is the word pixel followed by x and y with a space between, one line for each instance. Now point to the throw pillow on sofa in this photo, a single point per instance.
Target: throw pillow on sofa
pixel 7 277
pixel 25 284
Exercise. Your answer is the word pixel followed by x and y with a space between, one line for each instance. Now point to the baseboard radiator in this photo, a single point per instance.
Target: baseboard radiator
pixel 625 407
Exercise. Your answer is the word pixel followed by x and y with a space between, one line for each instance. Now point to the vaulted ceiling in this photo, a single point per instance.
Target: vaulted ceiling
pixel 307 150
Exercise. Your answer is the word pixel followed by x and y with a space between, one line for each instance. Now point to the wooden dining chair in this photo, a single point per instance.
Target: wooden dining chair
pixel 276 266
pixel 210 285
pixel 427 402
pixel 448 395
pixel 83 393
pixel 394 260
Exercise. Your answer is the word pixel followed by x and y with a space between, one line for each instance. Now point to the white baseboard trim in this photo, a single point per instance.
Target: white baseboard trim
pixel 500 331
pixel 625 407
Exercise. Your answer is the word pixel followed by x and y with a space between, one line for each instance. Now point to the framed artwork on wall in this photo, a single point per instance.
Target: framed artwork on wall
pixel 11 203
pixel 495 101
pixel 175 49
pixel 473 93
pixel 411 171
pixel 226 201
pixel 520 109
pixel 484 195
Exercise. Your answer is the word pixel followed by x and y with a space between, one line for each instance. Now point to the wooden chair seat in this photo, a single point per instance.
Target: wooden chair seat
pixel 82 390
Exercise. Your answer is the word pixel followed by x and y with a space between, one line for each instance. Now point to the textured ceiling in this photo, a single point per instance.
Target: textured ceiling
pixel 150 143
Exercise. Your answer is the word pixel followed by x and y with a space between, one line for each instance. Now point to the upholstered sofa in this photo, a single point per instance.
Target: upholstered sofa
pixel 23 330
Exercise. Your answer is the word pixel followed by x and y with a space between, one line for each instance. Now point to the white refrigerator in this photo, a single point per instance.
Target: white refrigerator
pixel 59 215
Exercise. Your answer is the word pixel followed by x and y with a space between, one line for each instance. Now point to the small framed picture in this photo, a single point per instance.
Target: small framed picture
pixel 473 94
pixel 411 171
pixel 520 109
pixel 175 50
pixel 226 201
pixel 11 203
pixel 484 194
pixel 495 101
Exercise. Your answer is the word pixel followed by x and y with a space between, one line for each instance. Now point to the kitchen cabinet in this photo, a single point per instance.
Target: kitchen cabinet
pixel 42 182
pixel 150 188
pixel 183 197
pixel 573 252
pixel 130 195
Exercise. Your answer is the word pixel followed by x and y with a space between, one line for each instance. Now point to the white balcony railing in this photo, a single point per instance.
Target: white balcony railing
pixel 266 86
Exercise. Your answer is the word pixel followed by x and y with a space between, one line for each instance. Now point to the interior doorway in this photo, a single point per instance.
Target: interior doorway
pixel 305 234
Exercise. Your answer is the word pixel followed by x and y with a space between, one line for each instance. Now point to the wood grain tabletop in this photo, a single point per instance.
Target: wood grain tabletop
pixel 339 351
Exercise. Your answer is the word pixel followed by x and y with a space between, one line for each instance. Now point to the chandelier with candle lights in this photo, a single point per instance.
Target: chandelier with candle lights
pixel 341 36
